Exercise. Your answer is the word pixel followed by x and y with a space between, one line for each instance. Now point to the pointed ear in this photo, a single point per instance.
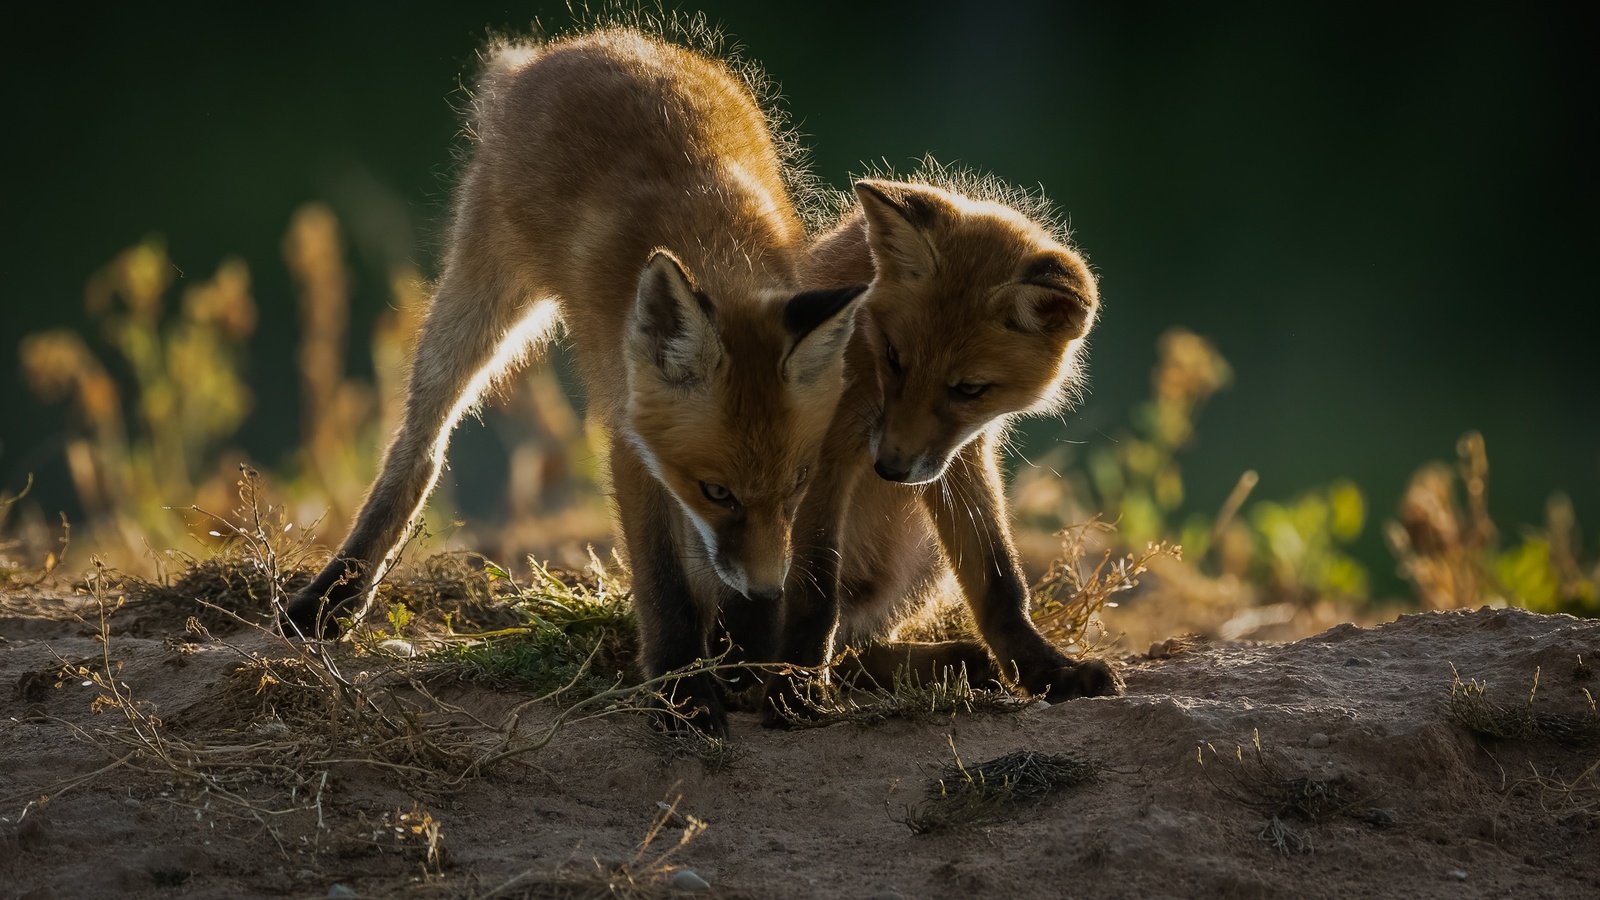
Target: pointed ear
pixel 674 329
pixel 898 218
pixel 820 324
pixel 1054 296
pixel 1046 311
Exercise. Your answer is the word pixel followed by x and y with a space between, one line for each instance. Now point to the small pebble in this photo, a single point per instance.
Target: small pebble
pixel 397 647
pixel 1038 705
pixel 1317 741
pixel 342 890
pixel 1356 661
pixel 1379 817
pixel 688 880
pixel 1158 649
pixel 1458 874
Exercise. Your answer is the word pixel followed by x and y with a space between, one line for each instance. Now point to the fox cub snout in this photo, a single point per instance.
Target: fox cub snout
pixel 978 314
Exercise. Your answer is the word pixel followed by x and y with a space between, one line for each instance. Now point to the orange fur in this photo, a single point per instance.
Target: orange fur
pixel 632 189
pixel 985 311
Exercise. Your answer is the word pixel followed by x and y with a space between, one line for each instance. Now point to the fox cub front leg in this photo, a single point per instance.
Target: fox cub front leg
pixel 473 318
pixel 746 637
pixel 674 625
pixel 811 603
pixel 969 512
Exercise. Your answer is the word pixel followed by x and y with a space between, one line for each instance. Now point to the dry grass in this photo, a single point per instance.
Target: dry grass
pixel 1469 706
pixel 650 873
pixel 713 753
pixel 964 795
pixel 15 572
pixel 1282 790
pixel 1575 798
pixel 908 697
pixel 1068 599
pixel 294 719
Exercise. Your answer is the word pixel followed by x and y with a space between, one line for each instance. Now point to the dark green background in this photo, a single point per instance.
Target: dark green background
pixel 1383 215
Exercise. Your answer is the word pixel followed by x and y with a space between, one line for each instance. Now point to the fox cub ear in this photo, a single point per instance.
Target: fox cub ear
pixel 1055 296
pixel 674 330
pixel 819 324
pixel 898 218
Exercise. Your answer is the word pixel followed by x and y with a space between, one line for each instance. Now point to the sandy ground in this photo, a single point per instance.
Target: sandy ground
pixel 1427 808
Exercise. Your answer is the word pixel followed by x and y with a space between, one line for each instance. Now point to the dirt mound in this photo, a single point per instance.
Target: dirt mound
pixel 1331 766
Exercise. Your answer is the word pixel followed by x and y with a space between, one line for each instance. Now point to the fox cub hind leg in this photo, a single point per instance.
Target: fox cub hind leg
pixel 476 328
pixel 880 665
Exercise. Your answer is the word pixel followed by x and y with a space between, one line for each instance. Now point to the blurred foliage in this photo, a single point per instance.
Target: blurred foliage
pixel 184 368
pixel 155 404
pixel 1450 549
pixel 1274 568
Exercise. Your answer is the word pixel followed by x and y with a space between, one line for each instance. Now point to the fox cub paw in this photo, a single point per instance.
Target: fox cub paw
pixel 312 612
pixel 1086 678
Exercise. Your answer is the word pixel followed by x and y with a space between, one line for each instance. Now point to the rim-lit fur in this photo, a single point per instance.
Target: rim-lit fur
pixel 968 294
pixel 632 191
pixel 968 291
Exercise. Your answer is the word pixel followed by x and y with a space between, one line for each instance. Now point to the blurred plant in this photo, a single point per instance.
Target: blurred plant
pixel 1241 570
pixel 1447 544
pixel 172 439
pixel 15 551
pixel 189 394
pixel 1139 477
pixel 1302 538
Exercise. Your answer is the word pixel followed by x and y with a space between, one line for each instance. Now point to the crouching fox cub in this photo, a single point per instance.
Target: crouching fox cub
pixel 976 314
pixel 632 191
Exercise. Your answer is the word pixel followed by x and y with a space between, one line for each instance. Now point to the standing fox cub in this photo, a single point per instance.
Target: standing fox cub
pixel 975 314
pixel 632 191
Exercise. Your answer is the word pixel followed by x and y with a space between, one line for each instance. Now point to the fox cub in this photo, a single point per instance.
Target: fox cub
pixel 976 314
pixel 631 191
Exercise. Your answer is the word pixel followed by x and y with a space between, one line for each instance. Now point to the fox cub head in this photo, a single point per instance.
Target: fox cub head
pixel 977 313
pixel 728 405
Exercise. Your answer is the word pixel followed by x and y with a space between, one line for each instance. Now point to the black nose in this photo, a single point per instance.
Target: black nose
pixel 888 473
pixel 765 595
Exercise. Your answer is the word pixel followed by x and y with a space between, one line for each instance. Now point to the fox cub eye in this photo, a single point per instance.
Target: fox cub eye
pixel 969 390
pixel 893 357
pixel 716 493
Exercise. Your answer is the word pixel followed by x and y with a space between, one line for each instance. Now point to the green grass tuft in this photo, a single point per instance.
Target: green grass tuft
pixel 575 634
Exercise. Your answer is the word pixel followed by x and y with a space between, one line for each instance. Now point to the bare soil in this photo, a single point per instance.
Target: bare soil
pixel 1415 804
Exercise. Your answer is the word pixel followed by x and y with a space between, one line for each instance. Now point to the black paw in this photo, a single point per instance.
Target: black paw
pixel 1085 678
pixel 741 690
pixel 313 610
